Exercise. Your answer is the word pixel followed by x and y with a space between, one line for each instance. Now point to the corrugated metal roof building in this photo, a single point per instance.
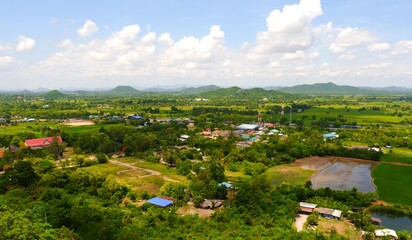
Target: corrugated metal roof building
pixel 160 202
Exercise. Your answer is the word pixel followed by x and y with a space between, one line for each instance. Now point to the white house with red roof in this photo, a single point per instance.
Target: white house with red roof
pixel 39 143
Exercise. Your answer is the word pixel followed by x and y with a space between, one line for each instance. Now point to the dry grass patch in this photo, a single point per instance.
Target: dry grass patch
pixel 343 228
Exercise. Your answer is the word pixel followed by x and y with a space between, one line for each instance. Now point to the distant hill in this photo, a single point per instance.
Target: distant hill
pixel 390 89
pixel 240 93
pixel 325 89
pixel 198 90
pixel 124 90
pixel 54 94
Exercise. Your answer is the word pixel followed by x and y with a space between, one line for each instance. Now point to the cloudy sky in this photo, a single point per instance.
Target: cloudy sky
pixel 145 43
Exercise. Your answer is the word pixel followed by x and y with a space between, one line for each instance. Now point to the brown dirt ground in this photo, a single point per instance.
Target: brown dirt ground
pixel 343 228
pixel 75 122
pixel 192 210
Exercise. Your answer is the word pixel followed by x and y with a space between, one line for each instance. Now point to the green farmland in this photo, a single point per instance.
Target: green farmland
pixel 393 183
pixel 398 155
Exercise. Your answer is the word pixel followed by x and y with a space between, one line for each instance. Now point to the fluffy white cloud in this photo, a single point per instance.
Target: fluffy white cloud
pixel 350 38
pixel 289 30
pixel 5 47
pixel 376 47
pixel 5 60
pixel 194 49
pixel 66 44
pixel 124 38
pixel 402 47
pixel 292 56
pixel 25 44
pixel 88 29
pixel 378 65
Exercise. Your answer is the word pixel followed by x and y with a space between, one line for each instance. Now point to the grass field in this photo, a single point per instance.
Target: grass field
pixel 353 115
pixel 393 182
pixel 343 228
pixel 289 174
pixel 398 155
pixel 34 127
pixel 235 176
pixel 105 169
pixel 82 130
pixel 163 169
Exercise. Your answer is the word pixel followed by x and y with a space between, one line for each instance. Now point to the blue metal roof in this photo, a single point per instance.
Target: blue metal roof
pixel 329 135
pixel 161 202
pixel 228 185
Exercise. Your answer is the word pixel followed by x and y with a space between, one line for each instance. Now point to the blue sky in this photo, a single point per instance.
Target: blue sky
pixel 101 44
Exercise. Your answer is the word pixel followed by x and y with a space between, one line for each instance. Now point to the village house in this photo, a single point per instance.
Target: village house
pixel 39 143
pixel 329 213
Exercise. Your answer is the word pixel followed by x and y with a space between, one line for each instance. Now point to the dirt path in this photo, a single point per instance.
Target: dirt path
pixel 398 163
pixel 133 168
pixel 300 221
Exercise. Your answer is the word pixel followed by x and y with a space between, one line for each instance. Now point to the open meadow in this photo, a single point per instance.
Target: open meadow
pixel 289 174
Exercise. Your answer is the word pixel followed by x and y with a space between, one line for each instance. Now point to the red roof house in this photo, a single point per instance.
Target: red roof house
pixel 39 143
pixel 1 152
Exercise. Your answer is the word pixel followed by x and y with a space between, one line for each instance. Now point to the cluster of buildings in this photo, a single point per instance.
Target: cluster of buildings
pixel 309 208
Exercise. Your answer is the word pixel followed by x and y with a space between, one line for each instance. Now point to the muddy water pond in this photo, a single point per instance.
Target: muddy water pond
pixel 340 173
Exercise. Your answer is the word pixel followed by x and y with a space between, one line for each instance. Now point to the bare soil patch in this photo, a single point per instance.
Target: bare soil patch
pixel 300 221
pixel 78 122
pixel 343 228
pixel 190 209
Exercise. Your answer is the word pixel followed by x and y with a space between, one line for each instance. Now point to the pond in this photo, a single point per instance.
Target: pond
pixel 345 175
pixel 394 222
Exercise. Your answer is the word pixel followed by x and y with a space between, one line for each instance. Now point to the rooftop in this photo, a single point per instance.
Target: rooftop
pixel 161 202
pixel 307 205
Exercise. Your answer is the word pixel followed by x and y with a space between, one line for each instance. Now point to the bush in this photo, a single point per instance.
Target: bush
pixel 313 219
pixel 101 158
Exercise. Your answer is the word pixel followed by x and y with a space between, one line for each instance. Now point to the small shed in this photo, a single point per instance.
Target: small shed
pixel 386 233
pixel 160 202
pixel 376 221
pixel 211 203
pixel 306 207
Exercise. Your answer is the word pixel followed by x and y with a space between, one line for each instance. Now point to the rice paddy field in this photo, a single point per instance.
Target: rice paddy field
pixel 393 183
pixel 400 155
